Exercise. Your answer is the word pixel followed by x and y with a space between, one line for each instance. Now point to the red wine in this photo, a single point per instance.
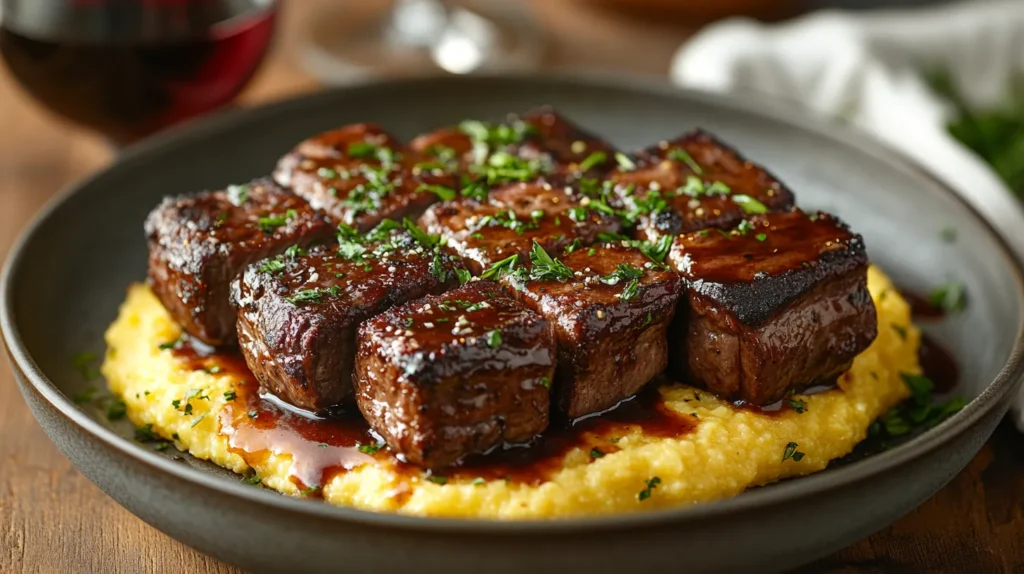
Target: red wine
pixel 128 69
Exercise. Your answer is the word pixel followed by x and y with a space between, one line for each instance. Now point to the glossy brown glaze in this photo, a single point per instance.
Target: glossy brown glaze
pixel 256 427
pixel 298 313
pixel 199 243
pixel 359 175
pixel 537 462
pixel 610 327
pixel 779 303
pixel 511 219
pixel 557 145
pixel 453 374
pixel 692 183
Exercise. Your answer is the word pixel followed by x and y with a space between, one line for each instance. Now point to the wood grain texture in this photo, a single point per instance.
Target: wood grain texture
pixel 52 519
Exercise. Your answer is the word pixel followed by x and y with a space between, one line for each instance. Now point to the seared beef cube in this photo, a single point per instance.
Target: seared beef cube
pixel 777 304
pixel 692 183
pixel 611 306
pixel 454 374
pixel 551 142
pixel 486 232
pixel 298 313
pixel 359 175
pixel 199 243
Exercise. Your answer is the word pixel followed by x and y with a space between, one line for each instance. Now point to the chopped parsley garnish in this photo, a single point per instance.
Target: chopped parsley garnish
pixel 744 227
pixel 327 173
pixel 797 405
pixel 900 330
pixel 593 160
pixel 369 448
pixel 494 339
pixel 545 382
pixel 596 453
pixel 310 490
pixel 408 322
pixel 422 237
pixel 749 204
pixel 576 244
pixel 313 295
pixel 145 433
pixel 273 266
pixel 504 167
pixel 591 251
pixel 463 275
pixel 238 194
pixel 361 149
pixel 761 236
pixel 545 267
pixel 443 192
pixel 717 188
pixel 625 163
pixel 648 319
pixel 116 410
pixel 950 296
pixel 632 289
pixel 252 479
pixel 253 414
pixel 86 395
pixel 652 483
pixel 171 344
pixel 230 395
pixel 499 268
pixel 437 479
pixel 269 223
pixel 198 420
pixel 623 272
pixel 681 155
pixel 474 188
pixel 83 363
pixel 478 481
pixel 792 453
pixel 657 250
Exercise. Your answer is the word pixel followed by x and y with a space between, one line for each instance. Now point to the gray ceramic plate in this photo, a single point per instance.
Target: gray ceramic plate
pixel 66 277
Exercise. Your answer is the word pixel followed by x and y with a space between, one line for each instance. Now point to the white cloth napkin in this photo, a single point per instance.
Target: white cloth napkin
pixel 866 67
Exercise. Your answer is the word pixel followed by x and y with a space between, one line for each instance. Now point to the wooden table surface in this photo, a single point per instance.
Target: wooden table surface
pixel 52 519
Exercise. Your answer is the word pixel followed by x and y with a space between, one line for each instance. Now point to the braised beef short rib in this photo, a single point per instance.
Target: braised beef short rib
pixel 455 374
pixel 777 304
pixel 199 243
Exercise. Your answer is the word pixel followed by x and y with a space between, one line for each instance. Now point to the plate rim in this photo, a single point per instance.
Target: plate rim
pixel 992 397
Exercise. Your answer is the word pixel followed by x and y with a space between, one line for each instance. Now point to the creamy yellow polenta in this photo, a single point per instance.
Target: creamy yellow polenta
pixel 729 450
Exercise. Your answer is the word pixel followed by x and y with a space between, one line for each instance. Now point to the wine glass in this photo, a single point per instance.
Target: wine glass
pixel 353 39
pixel 127 68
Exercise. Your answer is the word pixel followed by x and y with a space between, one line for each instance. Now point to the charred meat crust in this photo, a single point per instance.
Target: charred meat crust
pixel 450 375
pixel 778 306
pixel 611 337
pixel 198 243
pixel 691 183
pixel 360 175
pixel 511 219
pixel 298 313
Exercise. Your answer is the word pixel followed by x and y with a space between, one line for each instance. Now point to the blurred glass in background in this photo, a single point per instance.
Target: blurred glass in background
pixel 129 68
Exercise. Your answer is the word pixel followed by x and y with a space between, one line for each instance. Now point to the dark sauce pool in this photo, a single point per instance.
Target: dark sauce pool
pixel 321 448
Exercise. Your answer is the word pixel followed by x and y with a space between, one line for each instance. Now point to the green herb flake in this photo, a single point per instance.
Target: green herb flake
pixel 494 339
pixel 651 484
pixel 761 236
pixel 370 448
pixel 361 149
pixel 681 155
pixel 948 234
pixel 797 405
pixel 145 433
pixel 545 382
pixel 310 491
pixel 596 453
pixel 545 267
pixel 253 414
pixel 593 160
pixel 230 395
pixel 116 410
pixel 749 204
pixel 625 163
pixel 792 453
pixel 171 344
pixel 84 364
pixel 437 479
pixel 237 195
pixel 252 479
pixel 198 420
pixel 951 297
pixel 86 395
pixel 478 481
pixel 327 173
pixel 442 192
